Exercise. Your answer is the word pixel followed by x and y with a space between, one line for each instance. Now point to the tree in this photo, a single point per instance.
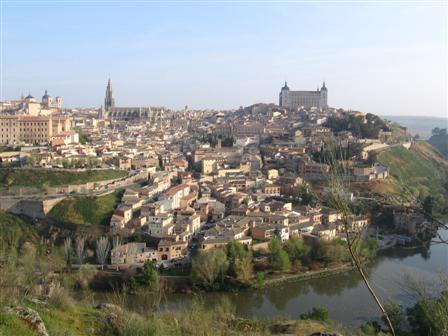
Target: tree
pixel 369 247
pixel 244 270
pixel 281 262
pixel 67 252
pixel 275 245
pixel 80 249
pixel 338 187
pixel 208 268
pixel 429 315
pixel 240 262
pixel 296 249
pixel 235 251
pixel 102 250
pixel 279 258
pixel 150 276
pixel 306 195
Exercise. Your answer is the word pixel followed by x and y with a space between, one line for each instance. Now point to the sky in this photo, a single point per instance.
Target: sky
pixel 383 58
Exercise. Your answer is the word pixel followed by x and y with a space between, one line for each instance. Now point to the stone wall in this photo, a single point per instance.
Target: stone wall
pixel 48 204
pixel 38 208
pixel 81 188
pixel 31 208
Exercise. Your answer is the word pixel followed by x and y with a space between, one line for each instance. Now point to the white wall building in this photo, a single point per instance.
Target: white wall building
pixel 306 99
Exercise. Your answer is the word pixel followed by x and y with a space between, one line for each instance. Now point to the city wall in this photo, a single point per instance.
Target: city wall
pixel 39 208
pixel 82 188
pixel 30 207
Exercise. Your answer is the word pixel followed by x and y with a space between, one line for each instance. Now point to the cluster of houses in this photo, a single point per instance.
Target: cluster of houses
pixel 214 176
pixel 205 194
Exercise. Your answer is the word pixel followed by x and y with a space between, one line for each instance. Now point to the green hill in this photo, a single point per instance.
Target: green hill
pixel 87 210
pixel 419 171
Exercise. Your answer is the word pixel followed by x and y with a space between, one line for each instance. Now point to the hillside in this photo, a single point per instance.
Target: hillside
pixel 87 210
pixel 14 231
pixel 419 171
pixel 39 178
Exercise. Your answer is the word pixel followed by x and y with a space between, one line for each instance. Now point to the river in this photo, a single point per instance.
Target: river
pixel 345 295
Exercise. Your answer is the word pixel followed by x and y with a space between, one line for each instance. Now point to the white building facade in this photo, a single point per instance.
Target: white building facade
pixel 306 99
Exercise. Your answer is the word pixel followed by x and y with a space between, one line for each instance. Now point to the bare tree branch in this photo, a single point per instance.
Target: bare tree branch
pixel 102 250
pixel 338 184
pixel 80 249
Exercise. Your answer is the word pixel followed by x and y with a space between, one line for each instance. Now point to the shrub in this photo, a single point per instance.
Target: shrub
pixel 59 296
pixel 318 314
pixel 85 275
pixel 259 278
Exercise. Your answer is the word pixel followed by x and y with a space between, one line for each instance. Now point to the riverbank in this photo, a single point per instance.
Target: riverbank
pixel 308 275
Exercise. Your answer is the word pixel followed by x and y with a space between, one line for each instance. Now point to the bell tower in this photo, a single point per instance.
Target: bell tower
pixel 323 96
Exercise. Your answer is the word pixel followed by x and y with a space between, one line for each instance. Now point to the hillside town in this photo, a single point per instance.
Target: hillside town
pixel 202 179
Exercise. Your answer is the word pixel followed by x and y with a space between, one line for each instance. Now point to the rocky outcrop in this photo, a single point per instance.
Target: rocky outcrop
pixel 31 317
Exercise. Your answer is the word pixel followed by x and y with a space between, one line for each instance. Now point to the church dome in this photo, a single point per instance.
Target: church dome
pixel 285 87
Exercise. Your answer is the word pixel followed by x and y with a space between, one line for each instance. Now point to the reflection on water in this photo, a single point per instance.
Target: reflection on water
pixel 345 295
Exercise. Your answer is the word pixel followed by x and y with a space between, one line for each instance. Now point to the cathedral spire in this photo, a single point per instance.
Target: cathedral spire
pixel 109 100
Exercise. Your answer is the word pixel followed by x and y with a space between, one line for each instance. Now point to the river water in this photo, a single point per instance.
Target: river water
pixel 345 295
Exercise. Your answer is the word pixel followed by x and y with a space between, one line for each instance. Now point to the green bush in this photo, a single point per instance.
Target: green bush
pixel 318 314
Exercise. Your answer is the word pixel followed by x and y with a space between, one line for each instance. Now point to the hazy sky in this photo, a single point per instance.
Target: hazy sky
pixel 382 58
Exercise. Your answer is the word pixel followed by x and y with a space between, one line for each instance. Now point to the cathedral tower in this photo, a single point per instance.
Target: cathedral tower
pixel 109 100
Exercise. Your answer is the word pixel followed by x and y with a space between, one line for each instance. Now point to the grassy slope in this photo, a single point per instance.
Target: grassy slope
pixel 83 320
pixel 11 325
pixel 53 178
pixel 421 169
pixel 14 231
pixel 80 320
pixel 87 210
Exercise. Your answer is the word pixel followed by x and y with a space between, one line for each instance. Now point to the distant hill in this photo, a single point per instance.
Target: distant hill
pixel 421 125
pixel 439 140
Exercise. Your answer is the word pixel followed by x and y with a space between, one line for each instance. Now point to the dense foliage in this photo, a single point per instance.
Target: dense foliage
pixel 360 126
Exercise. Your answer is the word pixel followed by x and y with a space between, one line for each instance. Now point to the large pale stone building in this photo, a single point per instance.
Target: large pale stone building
pixel 306 99
pixel 110 111
pixel 31 129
